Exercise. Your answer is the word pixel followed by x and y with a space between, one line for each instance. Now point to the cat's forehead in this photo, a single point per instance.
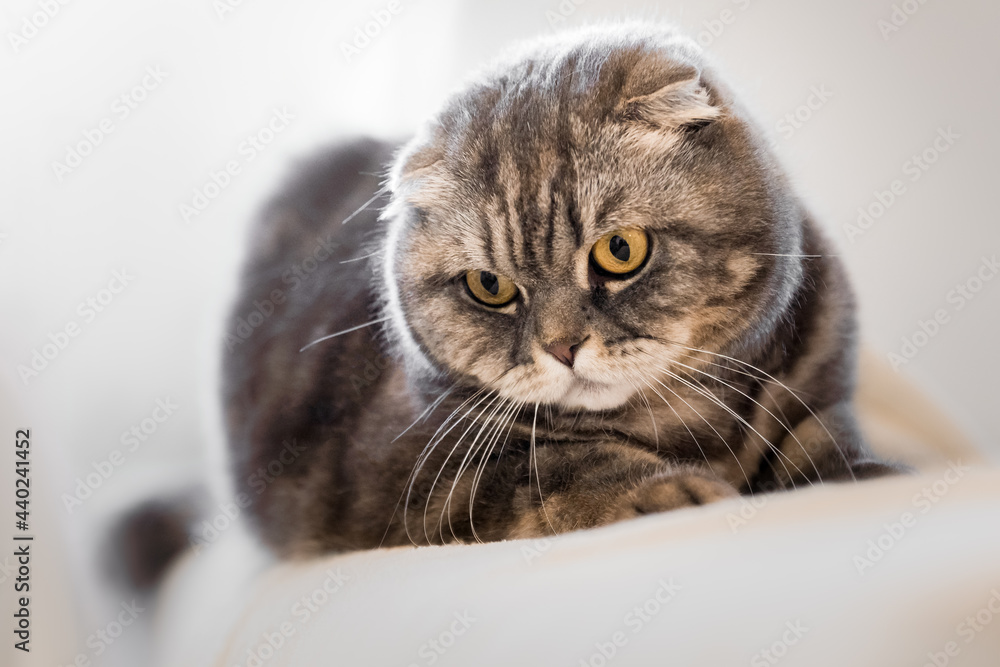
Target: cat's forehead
pixel 528 167
pixel 508 208
pixel 521 219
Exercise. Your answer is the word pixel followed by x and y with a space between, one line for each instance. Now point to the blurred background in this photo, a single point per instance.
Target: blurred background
pixel 140 138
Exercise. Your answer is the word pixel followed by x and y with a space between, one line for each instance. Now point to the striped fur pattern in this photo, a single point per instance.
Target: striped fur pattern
pixel 724 365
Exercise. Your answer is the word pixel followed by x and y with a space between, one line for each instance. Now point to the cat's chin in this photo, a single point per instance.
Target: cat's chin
pixel 596 396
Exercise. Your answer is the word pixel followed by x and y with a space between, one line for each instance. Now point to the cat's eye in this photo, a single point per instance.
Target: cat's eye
pixel 621 252
pixel 490 289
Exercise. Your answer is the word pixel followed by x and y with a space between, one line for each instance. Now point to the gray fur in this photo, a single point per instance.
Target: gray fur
pixel 724 365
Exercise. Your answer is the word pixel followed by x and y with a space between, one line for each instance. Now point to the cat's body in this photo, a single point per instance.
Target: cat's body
pixel 590 396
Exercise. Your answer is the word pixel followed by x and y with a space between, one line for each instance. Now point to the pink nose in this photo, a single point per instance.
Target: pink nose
pixel 563 351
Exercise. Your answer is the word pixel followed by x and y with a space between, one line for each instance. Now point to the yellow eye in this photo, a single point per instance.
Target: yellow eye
pixel 490 289
pixel 622 251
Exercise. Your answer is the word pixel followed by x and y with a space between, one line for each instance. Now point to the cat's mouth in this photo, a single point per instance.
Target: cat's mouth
pixel 592 383
pixel 586 385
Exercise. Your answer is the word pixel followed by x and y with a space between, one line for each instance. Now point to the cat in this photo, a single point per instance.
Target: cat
pixel 584 292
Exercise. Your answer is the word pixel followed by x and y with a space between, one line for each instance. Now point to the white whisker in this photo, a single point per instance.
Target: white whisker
pixel 462 467
pixel 423 415
pixel 533 456
pixel 427 411
pixel 426 454
pixel 649 408
pixel 712 397
pixel 345 331
pixel 786 388
pixel 508 416
pixel 775 254
pixel 761 406
pixel 381 191
pixel 691 433
pixel 358 259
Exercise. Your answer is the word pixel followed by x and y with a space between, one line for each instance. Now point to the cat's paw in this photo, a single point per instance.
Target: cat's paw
pixel 670 491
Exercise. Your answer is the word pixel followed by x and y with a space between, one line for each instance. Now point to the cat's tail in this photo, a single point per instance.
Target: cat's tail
pixel 146 540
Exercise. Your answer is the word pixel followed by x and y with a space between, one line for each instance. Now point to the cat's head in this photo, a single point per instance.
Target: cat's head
pixel 586 211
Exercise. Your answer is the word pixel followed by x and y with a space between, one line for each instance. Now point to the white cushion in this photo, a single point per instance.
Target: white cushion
pixel 879 573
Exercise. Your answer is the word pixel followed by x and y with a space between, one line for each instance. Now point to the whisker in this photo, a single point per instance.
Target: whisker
pixel 429 449
pixel 489 427
pixel 358 259
pixel 649 408
pixel 533 456
pixel 345 331
pixel 474 422
pixel 691 433
pixel 761 406
pixel 776 254
pixel 715 399
pixel 381 191
pixel 725 367
pixel 477 477
pixel 448 419
pixel 786 388
pixel 784 421
pixel 439 434
pixel 427 411
pixel 510 428
pixel 448 458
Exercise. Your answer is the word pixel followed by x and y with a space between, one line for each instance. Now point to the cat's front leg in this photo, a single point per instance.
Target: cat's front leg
pixel 583 486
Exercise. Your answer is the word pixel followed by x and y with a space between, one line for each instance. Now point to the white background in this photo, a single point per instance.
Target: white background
pixel 61 240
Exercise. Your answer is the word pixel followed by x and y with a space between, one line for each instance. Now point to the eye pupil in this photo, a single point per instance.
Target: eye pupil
pixel 619 248
pixel 489 282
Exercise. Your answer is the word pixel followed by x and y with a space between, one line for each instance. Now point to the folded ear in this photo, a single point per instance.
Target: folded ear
pixel 418 155
pixel 679 104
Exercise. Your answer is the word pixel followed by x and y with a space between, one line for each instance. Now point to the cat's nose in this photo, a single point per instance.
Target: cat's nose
pixel 563 351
